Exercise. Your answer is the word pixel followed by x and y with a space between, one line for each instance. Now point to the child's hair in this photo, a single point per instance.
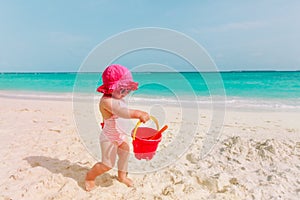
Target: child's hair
pixel 114 77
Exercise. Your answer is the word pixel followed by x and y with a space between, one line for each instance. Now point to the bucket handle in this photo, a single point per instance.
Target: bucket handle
pixel 139 123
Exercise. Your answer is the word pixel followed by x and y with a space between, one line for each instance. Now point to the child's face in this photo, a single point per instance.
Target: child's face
pixel 120 93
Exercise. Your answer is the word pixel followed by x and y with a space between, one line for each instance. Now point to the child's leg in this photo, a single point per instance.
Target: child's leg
pixel 123 153
pixel 97 169
pixel 109 152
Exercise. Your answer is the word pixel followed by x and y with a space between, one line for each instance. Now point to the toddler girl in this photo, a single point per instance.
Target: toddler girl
pixel 117 83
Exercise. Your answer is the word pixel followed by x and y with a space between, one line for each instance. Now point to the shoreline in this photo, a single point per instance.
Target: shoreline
pixel 231 103
pixel 147 72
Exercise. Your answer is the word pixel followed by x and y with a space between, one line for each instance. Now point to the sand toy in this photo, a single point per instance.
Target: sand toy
pixel 145 140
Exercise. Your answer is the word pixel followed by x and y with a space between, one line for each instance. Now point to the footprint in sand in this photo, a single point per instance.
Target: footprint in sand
pixel 210 183
pixel 192 158
pixel 105 180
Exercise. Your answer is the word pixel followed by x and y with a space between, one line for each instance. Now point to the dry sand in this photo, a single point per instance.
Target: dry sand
pixel 42 157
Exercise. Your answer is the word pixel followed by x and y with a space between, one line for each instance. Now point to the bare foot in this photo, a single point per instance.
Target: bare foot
pixel 89 185
pixel 126 181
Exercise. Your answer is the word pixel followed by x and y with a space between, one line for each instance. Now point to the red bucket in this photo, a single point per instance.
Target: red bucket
pixel 145 141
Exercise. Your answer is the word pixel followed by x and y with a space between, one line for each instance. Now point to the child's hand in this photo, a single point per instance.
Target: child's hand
pixel 144 117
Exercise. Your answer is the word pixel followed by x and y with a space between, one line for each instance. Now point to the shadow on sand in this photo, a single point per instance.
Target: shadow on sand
pixel 67 169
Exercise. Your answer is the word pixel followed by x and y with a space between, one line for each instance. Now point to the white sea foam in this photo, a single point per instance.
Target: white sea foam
pixel 229 102
pixel 36 95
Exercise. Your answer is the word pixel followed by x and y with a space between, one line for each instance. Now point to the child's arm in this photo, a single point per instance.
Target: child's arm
pixel 114 107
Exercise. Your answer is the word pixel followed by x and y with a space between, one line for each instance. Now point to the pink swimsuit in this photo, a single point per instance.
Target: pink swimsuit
pixel 111 132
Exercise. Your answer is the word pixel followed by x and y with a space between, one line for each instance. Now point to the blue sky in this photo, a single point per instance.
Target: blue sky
pixel 239 35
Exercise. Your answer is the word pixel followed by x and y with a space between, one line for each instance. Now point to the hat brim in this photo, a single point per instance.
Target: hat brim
pixel 109 89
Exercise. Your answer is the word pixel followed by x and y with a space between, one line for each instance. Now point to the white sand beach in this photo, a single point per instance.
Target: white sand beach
pixel 42 157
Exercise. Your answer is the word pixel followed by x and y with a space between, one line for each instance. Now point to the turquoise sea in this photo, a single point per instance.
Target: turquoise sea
pixel 273 89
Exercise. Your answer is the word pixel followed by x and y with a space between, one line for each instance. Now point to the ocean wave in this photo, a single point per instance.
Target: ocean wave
pixel 202 101
pixel 228 102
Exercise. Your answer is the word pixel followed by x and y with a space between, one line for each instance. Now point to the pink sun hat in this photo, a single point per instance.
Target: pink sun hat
pixel 116 76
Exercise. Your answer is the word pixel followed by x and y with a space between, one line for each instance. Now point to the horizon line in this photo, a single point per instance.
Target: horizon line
pixel 74 72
